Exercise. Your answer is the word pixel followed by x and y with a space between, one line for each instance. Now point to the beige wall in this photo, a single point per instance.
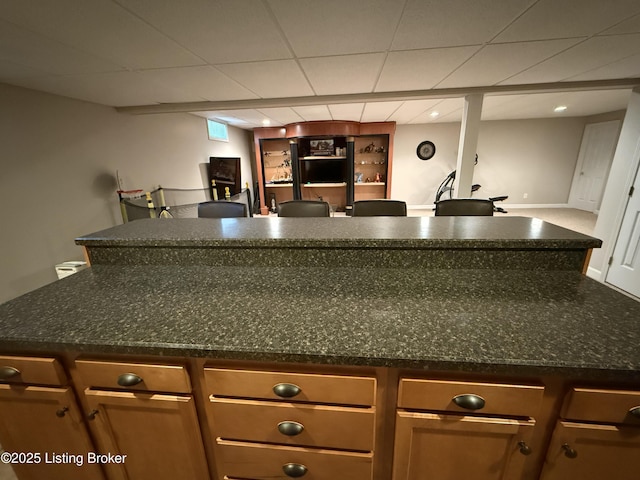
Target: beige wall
pixel 536 157
pixel 58 160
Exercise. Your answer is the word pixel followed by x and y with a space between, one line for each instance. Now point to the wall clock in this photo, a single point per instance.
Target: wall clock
pixel 426 150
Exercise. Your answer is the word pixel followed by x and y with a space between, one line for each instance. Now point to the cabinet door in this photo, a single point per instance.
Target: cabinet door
pixel 159 434
pixel 451 447
pixel 47 422
pixel 591 451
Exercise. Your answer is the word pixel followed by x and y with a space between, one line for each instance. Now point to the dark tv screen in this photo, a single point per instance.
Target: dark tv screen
pixel 324 171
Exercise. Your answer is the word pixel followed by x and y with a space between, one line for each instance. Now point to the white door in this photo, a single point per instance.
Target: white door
pixel 624 271
pixel 596 153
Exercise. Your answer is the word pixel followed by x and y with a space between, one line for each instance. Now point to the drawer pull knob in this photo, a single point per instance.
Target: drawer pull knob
pixel 92 414
pixel 469 401
pixel 568 451
pixel 294 470
pixel 8 372
pixel 129 380
pixel 524 448
pixel 635 411
pixel 290 429
pixel 62 412
pixel 286 390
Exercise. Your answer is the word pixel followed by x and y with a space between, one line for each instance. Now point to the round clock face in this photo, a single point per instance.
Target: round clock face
pixel 426 150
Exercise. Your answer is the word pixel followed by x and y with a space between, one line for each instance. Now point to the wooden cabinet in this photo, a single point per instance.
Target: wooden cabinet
pixel 43 425
pixel 338 162
pixel 279 425
pixel 463 429
pixel 598 437
pixel 144 417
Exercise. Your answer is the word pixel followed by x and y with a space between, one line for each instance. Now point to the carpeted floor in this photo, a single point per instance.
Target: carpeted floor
pixel 571 218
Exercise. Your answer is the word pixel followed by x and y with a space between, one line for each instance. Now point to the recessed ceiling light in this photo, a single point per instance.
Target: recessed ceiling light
pixel 434 114
pixel 266 121
pixel 560 108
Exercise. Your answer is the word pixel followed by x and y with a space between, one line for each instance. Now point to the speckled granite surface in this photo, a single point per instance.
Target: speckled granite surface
pixel 507 322
pixel 361 232
pixel 392 242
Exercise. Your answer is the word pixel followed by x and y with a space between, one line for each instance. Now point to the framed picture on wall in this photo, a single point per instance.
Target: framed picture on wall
pixel 226 172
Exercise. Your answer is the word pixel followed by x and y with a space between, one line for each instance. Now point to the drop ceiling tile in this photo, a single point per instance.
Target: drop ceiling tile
pixel 588 55
pixel 454 22
pixel 253 117
pixel 379 111
pixel 336 27
pixel 32 50
pixel 117 89
pixel 549 19
pixel 420 69
pixel 282 115
pixel 449 110
pixel 275 79
pixel 313 112
pixel 630 25
pixel 343 74
pixel 201 82
pixel 224 31
pixel 411 109
pixel 10 70
pixel 497 62
pixel 347 111
pixel 228 117
pixel 101 28
pixel 590 103
pixel 625 68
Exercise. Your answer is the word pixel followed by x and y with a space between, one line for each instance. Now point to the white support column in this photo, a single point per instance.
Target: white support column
pixel 467 145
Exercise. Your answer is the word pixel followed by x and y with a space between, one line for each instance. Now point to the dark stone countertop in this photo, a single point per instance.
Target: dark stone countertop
pixel 503 322
pixel 339 232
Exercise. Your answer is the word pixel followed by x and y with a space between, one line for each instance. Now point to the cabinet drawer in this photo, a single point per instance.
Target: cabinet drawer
pixel 157 378
pixel 268 462
pixel 495 398
pixel 32 370
pixel 607 406
pixel 293 424
pixel 333 389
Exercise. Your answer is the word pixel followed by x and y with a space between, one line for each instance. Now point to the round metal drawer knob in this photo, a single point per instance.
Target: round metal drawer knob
pixel 62 412
pixel 568 451
pixel 469 401
pixel 635 411
pixel 290 428
pixel 286 390
pixel 129 380
pixel 294 470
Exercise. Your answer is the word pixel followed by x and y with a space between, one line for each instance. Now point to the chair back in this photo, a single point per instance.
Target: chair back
pixel 303 208
pixel 464 206
pixel 379 208
pixel 221 209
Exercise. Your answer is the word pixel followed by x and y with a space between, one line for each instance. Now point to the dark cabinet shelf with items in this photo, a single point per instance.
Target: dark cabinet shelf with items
pixel 337 162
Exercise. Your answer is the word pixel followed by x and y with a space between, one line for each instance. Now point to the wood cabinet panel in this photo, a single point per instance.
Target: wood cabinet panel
pixel 321 426
pixel 500 399
pixel 32 370
pixel 266 462
pixel 157 378
pixel 158 433
pixel 330 389
pixel 593 452
pixel 606 406
pixel 452 447
pixel 46 421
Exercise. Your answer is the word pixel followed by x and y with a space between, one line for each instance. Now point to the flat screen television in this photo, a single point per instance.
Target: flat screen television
pixel 325 170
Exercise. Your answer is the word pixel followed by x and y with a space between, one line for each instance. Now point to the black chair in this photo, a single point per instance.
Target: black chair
pixel 379 208
pixel 464 207
pixel 221 209
pixel 303 208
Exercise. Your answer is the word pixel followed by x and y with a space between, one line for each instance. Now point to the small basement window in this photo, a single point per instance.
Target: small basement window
pixel 217 130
